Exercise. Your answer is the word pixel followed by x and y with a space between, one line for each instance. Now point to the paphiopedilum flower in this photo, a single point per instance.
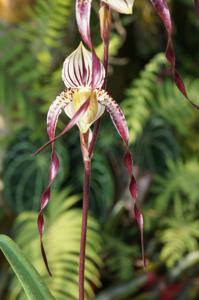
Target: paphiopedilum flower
pixel 85 99
pixel 84 102
pixel 77 77
pixel 83 12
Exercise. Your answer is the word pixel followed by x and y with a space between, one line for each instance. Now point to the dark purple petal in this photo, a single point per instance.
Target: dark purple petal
pixel 120 123
pixel 162 10
pixel 197 8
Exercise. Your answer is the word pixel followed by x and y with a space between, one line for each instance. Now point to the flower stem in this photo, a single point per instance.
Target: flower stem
pixel 106 62
pixel 86 188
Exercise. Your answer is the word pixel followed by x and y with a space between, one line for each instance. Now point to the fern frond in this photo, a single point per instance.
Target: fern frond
pixel 171 106
pixel 119 262
pixel 147 97
pixel 180 235
pixel 25 176
pixel 181 179
pixel 62 240
pixel 48 24
pixel 17 76
pixel 27 56
pixel 136 104
pixel 156 144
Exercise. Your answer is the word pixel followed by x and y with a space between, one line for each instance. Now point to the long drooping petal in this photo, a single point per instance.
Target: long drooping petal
pixel 120 124
pixel 53 114
pixel 121 6
pixel 197 8
pixel 77 70
pixel 52 118
pixel 162 10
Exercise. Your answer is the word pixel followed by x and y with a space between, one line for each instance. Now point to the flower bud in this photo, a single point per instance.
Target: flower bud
pixel 105 21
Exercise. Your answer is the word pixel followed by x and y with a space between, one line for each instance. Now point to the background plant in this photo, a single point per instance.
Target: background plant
pixel 164 140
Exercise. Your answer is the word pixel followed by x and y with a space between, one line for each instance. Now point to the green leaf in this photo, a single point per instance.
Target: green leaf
pixel 25 272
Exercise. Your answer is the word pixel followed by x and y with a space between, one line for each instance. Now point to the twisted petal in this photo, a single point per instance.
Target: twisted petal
pixel 52 118
pixel 120 124
pixel 197 8
pixel 121 6
pixel 162 10
pixel 53 114
pixel 78 69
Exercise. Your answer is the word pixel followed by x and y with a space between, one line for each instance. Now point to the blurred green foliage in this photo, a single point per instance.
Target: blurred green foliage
pixel 164 141
pixel 23 189
pixel 62 239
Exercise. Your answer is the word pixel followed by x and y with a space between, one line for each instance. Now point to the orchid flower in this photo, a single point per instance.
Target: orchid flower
pixel 84 103
pixel 83 12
